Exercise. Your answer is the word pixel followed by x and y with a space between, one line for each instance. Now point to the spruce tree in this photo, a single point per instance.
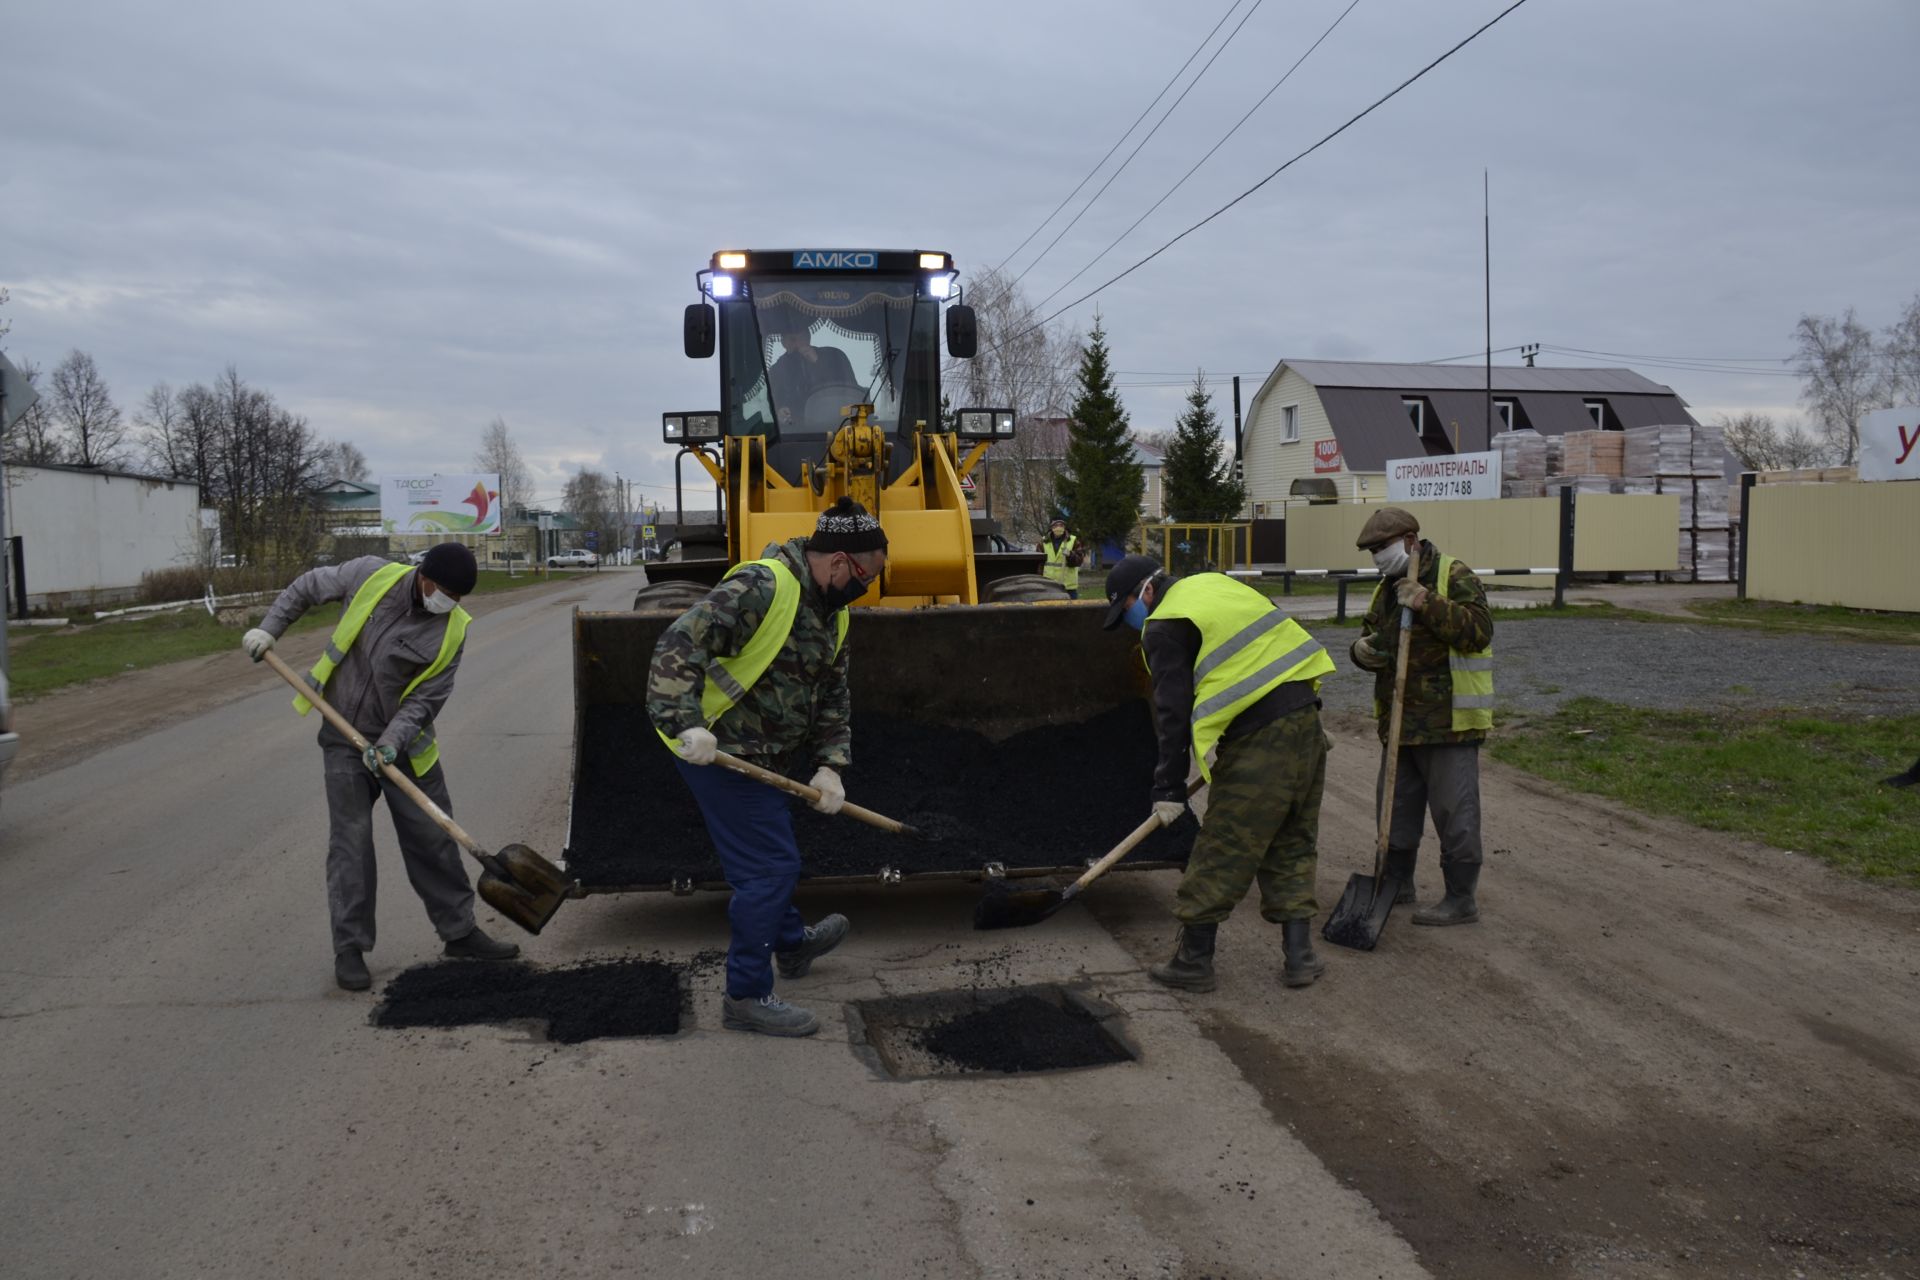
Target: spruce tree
pixel 1100 488
pixel 1197 475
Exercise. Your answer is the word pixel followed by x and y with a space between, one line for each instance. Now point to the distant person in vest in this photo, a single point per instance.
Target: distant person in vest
pixel 1064 557
pixel 758 669
pixel 1231 671
pixel 389 670
pixel 1448 710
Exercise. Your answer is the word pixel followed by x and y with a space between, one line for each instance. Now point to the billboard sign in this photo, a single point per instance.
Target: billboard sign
pixel 1326 457
pixel 440 504
pixel 1446 477
pixel 1890 444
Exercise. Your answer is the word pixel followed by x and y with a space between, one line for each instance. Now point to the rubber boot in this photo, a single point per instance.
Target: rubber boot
pixel 1191 968
pixel 478 946
pixel 1399 866
pixel 1304 966
pixel 769 1015
pixel 818 940
pixel 1907 779
pixel 1458 907
pixel 350 970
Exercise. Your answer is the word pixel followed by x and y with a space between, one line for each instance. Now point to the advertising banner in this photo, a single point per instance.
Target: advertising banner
pixel 1326 457
pixel 1890 444
pixel 440 504
pixel 1449 476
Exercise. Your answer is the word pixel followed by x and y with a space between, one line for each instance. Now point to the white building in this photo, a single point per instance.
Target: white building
pixel 86 536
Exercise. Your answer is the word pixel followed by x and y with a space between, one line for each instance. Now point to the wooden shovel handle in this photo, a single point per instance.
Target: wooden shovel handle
pixel 810 794
pixel 1393 724
pixel 441 817
pixel 1119 851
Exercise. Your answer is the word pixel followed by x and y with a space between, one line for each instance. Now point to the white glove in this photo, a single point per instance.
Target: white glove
pixel 1169 811
pixel 256 643
pixel 833 793
pixel 697 746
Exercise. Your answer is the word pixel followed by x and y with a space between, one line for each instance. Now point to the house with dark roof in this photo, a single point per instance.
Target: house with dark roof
pixel 1341 421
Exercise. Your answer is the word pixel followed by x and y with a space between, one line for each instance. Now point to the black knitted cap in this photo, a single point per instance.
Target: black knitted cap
pixel 846 526
pixel 451 566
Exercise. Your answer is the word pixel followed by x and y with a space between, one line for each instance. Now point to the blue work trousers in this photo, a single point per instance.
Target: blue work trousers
pixel 752 829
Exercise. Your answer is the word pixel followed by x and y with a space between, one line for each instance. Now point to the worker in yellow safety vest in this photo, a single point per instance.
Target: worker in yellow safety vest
pixel 388 668
pixel 1064 557
pixel 1235 676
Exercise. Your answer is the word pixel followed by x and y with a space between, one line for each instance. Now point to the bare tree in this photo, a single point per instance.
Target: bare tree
pixel 1900 349
pixel 342 460
pixel 263 466
pixel 34 438
pixel 1763 445
pixel 1844 378
pixel 158 419
pixel 84 407
pixel 499 455
pixel 590 498
pixel 6 326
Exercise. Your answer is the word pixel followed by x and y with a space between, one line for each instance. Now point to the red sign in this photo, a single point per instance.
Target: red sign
pixel 1326 456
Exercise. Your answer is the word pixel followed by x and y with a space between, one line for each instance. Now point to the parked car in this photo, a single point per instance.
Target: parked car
pixel 9 740
pixel 578 558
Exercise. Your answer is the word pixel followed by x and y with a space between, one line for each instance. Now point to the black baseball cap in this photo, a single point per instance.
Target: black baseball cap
pixel 1123 580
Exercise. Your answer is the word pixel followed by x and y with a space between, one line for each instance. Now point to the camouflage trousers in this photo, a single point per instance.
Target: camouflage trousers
pixel 1262 824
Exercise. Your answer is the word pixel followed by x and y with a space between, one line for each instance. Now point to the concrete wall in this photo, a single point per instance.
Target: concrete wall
pixel 88 536
pixel 1273 464
pixel 1841 544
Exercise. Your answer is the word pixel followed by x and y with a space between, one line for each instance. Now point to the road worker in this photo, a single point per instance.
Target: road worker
pixel 1231 671
pixel 758 669
pixel 1448 706
pixel 389 670
pixel 1064 557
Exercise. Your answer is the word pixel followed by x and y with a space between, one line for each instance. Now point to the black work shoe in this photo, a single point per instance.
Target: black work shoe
pixel 820 939
pixel 769 1015
pixel 1191 968
pixel 1399 867
pixel 350 970
pixel 478 946
pixel 1304 965
pixel 1458 907
pixel 1906 779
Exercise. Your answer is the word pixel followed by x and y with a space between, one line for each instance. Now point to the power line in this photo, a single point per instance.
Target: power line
pixel 1622 355
pixel 1123 137
pixel 1095 199
pixel 1355 119
pixel 1468 355
pixel 1203 159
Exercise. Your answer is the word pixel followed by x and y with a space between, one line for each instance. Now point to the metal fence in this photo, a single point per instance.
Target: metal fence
pixel 1839 544
pixel 1197 548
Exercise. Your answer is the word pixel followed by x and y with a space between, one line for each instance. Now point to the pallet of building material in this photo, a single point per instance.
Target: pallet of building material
pixel 1523 455
pixel 1712 561
pixel 1673 450
pixel 1579 484
pixel 1710 451
pixel 1556 456
pixel 1637 486
pixel 1594 453
pixel 1682 488
pixel 1642 451
pixel 1522 489
pixel 1685 559
pixel 1710 504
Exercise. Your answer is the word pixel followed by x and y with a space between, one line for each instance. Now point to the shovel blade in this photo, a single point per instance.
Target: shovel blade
pixel 1004 908
pixel 1362 912
pixel 530 911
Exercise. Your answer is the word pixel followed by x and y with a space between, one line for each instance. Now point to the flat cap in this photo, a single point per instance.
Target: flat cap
pixel 1385 524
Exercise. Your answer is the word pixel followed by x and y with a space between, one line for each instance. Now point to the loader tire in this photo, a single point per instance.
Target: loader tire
pixel 662 597
pixel 1024 588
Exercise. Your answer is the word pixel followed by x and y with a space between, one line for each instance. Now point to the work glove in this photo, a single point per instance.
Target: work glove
pixel 374 757
pixel 1412 594
pixel 697 746
pixel 1366 657
pixel 256 643
pixel 833 793
pixel 1169 811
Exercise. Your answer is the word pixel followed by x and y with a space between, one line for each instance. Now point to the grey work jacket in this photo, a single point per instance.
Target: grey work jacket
pixel 399 641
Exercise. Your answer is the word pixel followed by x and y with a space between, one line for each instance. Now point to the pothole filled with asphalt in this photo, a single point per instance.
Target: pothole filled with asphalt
pixel 1003 1031
pixel 587 1001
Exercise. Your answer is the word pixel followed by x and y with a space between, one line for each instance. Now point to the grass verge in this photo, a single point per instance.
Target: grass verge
pixel 1791 781
pixel 1769 615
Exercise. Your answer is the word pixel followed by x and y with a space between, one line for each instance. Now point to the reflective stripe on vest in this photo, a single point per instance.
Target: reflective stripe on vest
pixel 1057 567
pixel 1248 648
pixel 729 679
pixel 1470 674
pixel 424 750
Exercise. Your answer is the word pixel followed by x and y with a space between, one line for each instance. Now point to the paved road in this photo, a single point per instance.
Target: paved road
pixel 189 1095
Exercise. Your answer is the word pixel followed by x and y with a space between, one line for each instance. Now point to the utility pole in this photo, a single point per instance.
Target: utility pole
pixel 1486 229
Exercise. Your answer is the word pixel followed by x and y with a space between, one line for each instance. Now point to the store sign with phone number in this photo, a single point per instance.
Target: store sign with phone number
pixel 1449 476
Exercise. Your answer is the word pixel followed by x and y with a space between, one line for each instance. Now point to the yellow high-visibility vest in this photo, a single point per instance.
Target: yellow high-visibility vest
pixel 1057 567
pixel 1248 648
pixel 1470 674
pixel 728 679
pixel 424 750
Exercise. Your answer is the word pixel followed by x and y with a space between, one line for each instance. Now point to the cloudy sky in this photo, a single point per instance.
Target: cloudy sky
pixel 404 219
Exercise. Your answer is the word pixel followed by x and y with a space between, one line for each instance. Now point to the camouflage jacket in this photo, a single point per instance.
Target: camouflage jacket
pixel 798 713
pixel 1460 622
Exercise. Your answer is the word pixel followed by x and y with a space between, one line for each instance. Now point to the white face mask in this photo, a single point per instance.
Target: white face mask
pixel 438 602
pixel 1391 559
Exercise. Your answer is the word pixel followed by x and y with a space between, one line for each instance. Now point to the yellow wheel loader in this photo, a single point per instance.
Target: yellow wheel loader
pixel 975 681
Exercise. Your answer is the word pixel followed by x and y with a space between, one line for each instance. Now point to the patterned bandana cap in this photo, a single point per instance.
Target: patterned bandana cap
pixel 846 526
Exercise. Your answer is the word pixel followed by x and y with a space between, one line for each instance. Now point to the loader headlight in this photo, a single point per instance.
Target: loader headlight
pixel 703 426
pixel 940 284
pixel 728 260
pixel 721 286
pixel 985 424
pixel 673 427
pixel 933 261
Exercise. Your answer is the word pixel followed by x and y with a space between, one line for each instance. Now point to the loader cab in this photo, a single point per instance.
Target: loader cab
pixel 802 333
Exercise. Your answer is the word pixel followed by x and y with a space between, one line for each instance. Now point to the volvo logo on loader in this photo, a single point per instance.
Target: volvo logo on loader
pixel 836 259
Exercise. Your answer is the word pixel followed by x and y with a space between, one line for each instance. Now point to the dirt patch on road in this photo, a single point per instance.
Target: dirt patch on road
pixel 1662 1052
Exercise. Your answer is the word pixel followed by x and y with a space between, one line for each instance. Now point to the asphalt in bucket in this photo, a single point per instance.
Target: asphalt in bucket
pixel 587 1001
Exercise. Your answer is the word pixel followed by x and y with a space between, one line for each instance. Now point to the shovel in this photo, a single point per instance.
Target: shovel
pixel 809 794
pixel 517 882
pixel 1363 909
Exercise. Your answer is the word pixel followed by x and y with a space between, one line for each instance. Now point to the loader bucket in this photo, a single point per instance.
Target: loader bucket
pixel 1018 737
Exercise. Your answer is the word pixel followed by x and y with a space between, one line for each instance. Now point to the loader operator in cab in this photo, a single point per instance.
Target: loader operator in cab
pixel 758 670
pixel 1230 670
pixel 388 668
pixel 803 369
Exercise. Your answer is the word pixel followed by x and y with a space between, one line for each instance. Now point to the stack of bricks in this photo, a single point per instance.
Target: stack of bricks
pixel 1690 463
pixel 1593 453
pixel 1523 463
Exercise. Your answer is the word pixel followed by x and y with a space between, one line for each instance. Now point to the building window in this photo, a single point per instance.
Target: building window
pixel 1597 410
pixel 1290 423
pixel 1417 411
pixel 1503 410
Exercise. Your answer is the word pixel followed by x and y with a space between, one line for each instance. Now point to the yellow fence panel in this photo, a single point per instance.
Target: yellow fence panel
pixel 1625 533
pixel 1509 533
pixel 1840 544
